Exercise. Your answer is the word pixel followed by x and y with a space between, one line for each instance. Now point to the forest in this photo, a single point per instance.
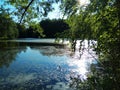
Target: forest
pixel 44 29
pixel 97 20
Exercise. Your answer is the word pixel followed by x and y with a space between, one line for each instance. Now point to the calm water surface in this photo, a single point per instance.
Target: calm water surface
pixel 32 66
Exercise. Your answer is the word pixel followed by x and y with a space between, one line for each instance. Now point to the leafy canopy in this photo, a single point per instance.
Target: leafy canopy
pixel 8 28
pixel 28 10
pixel 100 21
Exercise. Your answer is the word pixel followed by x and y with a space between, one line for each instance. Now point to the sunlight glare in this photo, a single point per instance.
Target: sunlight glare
pixel 83 2
pixel 82 63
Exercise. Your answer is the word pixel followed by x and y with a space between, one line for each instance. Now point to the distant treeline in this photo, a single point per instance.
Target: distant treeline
pixel 46 28
pixel 49 29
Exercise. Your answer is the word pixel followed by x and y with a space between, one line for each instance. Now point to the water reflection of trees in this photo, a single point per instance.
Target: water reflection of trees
pixel 8 52
pixel 52 50
pixel 103 76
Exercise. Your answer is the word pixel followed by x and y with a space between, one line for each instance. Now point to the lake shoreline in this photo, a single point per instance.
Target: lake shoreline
pixel 36 41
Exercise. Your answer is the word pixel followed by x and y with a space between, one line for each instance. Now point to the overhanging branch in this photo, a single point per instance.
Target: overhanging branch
pixel 26 10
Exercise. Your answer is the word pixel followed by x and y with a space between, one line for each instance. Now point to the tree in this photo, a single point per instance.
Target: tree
pixel 22 31
pixel 8 28
pixel 27 10
pixel 52 27
pixel 100 20
pixel 35 31
pixel 69 7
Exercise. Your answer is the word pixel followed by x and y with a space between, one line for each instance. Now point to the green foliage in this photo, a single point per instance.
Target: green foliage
pixel 98 79
pixel 100 21
pixel 101 24
pixel 22 31
pixel 28 10
pixel 35 30
pixel 68 7
pixel 80 26
pixel 52 27
pixel 8 28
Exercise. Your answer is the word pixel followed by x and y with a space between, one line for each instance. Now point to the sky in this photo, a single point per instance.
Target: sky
pixel 56 12
pixel 83 2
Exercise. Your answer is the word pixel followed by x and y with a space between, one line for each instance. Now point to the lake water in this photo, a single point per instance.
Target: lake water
pixel 35 64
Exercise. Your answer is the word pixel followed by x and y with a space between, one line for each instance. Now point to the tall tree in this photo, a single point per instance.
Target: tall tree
pixel 54 26
pixel 8 28
pixel 101 21
pixel 35 31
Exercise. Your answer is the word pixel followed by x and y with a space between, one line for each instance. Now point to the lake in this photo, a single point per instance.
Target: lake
pixel 40 64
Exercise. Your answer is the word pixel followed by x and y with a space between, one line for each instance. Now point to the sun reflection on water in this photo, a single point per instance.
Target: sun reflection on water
pixel 45 67
pixel 83 62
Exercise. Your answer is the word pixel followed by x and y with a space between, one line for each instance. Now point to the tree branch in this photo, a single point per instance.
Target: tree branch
pixel 26 10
